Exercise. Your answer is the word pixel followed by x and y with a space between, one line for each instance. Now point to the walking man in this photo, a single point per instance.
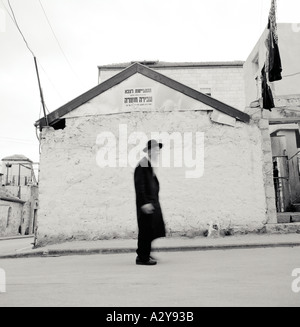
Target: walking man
pixel 149 215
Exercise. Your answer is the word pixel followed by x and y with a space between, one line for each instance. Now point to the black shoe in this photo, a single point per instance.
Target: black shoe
pixel 149 262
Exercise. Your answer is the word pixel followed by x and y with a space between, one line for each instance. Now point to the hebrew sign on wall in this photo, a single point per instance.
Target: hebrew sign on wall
pixel 138 98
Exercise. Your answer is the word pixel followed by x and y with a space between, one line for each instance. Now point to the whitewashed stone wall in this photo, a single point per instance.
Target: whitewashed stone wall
pixel 10 218
pixel 80 200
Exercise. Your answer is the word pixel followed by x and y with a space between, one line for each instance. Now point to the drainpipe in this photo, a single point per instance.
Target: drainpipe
pixel 19 182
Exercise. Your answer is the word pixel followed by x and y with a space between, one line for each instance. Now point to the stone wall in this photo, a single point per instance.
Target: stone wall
pixel 268 171
pixel 263 123
pixel 10 218
pixel 80 200
pixel 28 194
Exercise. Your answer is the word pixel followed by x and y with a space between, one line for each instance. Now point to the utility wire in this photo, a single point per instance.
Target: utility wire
pixel 14 20
pixel 9 14
pixel 61 49
pixel 12 140
pixel 54 87
pixel 17 25
pixel 34 57
pixel 290 75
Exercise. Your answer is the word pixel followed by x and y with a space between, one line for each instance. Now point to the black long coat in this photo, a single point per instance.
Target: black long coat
pixel 151 226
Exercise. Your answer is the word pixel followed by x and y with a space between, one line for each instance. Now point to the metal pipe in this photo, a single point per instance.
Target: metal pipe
pixel 41 91
pixel 19 177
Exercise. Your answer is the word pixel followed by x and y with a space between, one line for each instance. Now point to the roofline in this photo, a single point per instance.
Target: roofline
pixel 55 116
pixel 166 65
pixel 23 160
pixel 11 199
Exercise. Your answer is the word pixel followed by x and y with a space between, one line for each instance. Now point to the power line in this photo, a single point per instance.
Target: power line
pixel 9 14
pixel 67 60
pixel 13 18
pixel 34 57
pixel 290 75
pixel 13 140
pixel 58 93
pixel 53 86
pixel 17 25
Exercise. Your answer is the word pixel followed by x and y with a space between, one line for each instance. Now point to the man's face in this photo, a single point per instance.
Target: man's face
pixel 154 153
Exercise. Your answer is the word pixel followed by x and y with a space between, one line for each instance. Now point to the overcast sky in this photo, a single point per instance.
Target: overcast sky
pixel 89 33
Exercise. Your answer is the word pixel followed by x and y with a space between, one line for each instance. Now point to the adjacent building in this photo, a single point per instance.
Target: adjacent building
pixel 11 212
pixel 285 117
pixel 18 196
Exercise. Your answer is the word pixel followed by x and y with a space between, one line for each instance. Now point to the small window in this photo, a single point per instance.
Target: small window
pixel 60 124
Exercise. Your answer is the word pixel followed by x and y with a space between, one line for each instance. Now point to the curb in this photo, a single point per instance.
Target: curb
pixel 15 237
pixel 69 252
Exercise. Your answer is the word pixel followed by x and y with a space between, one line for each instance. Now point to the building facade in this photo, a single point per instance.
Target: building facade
pixel 19 189
pixel 11 214
pixel 216 172
pixel 284 118
pixel 223 81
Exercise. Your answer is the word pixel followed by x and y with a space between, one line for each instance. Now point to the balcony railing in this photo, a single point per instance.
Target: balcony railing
pixel 16 180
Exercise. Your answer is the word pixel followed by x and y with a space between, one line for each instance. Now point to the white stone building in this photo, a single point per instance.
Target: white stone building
pixel 18 196
pixel 284 118
pixel 11 214
pixel 230 184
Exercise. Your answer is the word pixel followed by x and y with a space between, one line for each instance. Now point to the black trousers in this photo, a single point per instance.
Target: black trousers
pixel 145 237
pixel 144 249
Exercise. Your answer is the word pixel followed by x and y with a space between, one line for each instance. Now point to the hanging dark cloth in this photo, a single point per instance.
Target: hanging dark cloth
pixel 268 101
pixel 275 67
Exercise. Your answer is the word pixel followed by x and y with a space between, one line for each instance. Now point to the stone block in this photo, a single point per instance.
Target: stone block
pixel 263 124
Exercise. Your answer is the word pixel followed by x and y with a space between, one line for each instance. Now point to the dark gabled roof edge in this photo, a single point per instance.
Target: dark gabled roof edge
pixel 192 93
pixel 152 74
pixel 87 96
pixel 11 199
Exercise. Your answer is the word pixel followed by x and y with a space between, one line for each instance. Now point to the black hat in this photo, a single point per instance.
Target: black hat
pixel 152 144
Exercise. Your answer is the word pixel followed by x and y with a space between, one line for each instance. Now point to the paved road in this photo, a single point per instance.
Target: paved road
pixel 242 277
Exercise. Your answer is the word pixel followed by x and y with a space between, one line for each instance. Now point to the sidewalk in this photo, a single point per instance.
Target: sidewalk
pixel 23 247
